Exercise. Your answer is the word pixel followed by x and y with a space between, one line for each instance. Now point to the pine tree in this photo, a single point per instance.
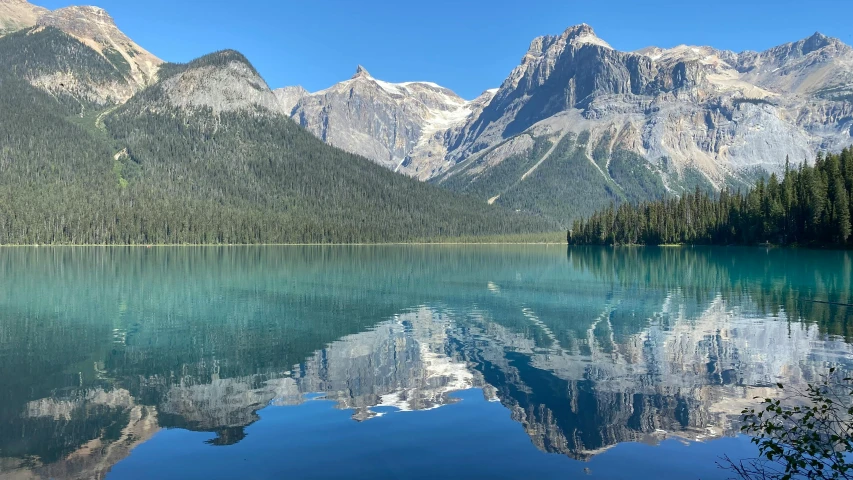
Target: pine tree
pixel 841 207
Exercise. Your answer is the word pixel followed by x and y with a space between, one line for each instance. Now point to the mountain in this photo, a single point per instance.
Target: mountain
pixel 64 67
pixel 96 28
pixel 578 125
pixel 402 126
pixel 818 65
pixel 75 52
pixel 202 155
pixel 18 14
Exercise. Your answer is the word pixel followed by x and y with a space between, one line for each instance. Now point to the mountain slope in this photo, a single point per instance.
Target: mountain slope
pixel 695 106
pixel 814 65
pixel 74 52
pixel 658 122
pixel 18 14
pixel 63 66
pixel 202 156
pixel 402 126
pixel 49 52
pixel 687 104
pixel 97 29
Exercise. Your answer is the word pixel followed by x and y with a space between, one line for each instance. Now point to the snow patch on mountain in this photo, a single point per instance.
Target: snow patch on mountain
pixel 403 125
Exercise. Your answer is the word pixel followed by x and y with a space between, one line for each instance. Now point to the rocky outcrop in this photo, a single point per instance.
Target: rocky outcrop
pixel 817 65
pixel 289 97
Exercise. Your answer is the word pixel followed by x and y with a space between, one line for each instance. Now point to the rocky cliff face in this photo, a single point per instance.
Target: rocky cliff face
pixel 403 126
pixel 818 65
pixel 714 111
pixel 672 118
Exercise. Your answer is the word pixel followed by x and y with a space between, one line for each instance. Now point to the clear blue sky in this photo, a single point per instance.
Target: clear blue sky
pixel 465 45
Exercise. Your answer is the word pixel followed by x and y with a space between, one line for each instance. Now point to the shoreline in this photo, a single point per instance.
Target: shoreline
pixel 188 245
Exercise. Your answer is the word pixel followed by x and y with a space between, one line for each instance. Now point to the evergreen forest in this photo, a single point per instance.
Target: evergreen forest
pixel 75 172
pixel 811 205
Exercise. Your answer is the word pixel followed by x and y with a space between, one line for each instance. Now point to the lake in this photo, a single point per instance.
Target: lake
pixel 404 361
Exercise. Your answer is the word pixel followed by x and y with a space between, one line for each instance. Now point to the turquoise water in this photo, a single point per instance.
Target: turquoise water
pixel 404 361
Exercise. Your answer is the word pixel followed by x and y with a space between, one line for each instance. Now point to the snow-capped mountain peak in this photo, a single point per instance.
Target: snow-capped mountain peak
pixel 387 122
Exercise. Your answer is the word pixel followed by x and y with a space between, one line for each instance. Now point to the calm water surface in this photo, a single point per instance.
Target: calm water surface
pixel 403 362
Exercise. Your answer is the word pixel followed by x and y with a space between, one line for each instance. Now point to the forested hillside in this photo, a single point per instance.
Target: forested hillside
pixel 151 172
pixel 64 66
pixel 811 205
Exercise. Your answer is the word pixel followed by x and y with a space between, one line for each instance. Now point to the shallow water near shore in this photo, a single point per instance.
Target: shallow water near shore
pixel 423 361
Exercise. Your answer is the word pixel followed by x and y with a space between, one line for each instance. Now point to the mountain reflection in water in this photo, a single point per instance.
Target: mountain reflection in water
pixel 586 347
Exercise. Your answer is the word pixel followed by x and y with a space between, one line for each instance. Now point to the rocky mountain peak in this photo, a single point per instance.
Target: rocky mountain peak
pixel 18 14
pixel 78 20
pixel 817 42
pixel 96 28
pixel 812 65
pixel 576 35
pixel 579 29
pixel 385 121
pixel 223 81
pixel 583 34
pixel 361 72
pixel 486 96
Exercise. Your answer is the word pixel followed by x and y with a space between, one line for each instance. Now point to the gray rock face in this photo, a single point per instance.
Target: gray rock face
pixel 817 65
pixel 223 82
pixel 718 113
pixel 289 97
pixel 403 126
